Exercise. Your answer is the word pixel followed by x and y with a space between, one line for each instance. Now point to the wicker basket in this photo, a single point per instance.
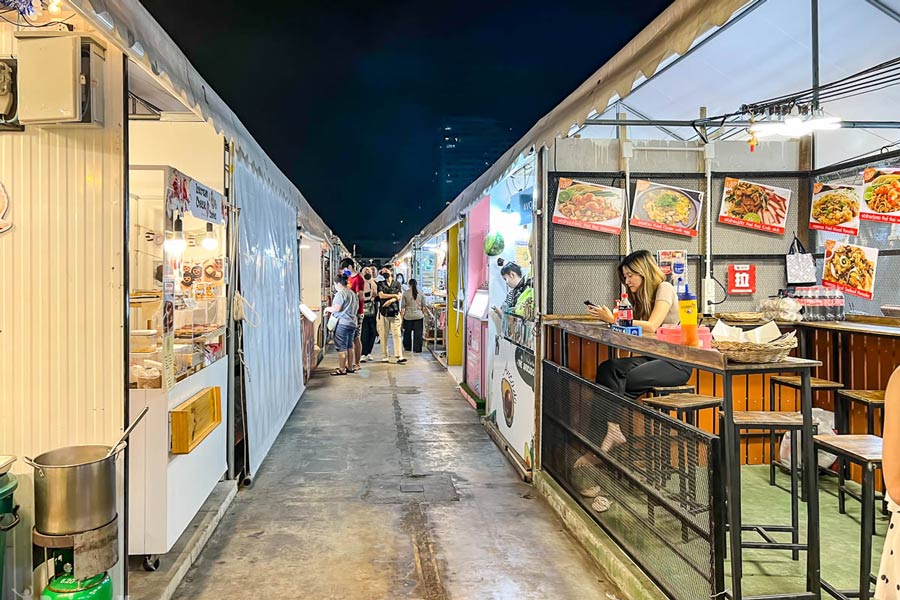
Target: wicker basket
pixel 750 352
pixel 742 317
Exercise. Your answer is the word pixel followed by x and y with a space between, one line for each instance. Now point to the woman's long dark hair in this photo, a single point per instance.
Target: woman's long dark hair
pixel 414 286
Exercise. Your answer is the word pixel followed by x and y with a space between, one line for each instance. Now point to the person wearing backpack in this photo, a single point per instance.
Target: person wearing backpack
pixel 370 314
pixel 412 311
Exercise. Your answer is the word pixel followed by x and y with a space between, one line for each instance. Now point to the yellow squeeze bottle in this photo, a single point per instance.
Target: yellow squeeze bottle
pixel 687 311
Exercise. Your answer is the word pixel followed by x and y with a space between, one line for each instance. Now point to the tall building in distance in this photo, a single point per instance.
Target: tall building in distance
pixel 467 147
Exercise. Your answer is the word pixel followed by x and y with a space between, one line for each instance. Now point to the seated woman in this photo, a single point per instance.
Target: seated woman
pixel 655 303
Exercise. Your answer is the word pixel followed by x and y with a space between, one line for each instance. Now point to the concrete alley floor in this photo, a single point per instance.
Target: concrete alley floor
pixel 384 485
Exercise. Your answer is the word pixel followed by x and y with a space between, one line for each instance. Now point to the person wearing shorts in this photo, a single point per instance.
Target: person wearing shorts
pixel 343 308
pixel 355 283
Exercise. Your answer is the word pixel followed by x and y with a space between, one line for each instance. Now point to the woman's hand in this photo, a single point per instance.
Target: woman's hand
pixel 329 309
pixel 601 312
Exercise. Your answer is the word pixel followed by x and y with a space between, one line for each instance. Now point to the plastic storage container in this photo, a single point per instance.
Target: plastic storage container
pixel 143 340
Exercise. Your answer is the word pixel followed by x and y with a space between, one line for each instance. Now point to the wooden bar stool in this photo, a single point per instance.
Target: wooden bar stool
pixel 773 421
pixel 873 400
pixel 865 451
pixel 793 383
pixel 686 406
pixel 657 391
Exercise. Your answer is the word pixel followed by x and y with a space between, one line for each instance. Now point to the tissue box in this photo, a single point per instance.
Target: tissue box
pixel 633 330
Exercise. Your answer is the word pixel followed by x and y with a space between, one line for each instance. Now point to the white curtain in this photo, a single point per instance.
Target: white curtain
pixel 269 282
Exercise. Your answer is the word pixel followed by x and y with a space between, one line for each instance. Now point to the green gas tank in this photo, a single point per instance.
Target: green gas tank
pixel 66 587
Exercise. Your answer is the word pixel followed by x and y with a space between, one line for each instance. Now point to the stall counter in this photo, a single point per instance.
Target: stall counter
pixel 167 490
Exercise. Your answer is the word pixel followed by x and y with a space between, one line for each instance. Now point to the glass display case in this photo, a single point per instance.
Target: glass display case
pixel 178 277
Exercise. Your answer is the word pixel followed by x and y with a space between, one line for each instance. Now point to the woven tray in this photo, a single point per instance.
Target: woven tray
pixel 749 352
pixel 738 317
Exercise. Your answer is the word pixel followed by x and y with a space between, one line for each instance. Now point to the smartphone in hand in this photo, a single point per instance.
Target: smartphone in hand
pixel 589 303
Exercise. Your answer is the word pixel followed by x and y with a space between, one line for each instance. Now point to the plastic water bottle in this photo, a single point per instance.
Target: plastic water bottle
pixel 840 305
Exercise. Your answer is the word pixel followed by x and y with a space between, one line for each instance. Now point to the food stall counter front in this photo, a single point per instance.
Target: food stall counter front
pixel 647 449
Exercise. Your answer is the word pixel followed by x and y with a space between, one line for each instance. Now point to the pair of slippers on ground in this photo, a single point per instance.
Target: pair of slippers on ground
pixel 343 371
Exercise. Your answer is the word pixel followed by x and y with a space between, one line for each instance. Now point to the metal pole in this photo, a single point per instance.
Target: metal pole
pixel 814 11
pixel 231 233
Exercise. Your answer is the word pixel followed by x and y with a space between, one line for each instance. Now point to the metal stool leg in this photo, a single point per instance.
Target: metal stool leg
pixel 795 507
pixel 772 434
pixel 866 530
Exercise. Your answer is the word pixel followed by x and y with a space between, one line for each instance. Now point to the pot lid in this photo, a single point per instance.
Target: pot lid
pixel 6 463
pixel 67 583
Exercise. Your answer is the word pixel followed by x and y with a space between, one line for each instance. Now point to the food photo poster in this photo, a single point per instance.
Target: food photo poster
pixel 589 206
pixel 850 268
pixel 754 206
pixel 881 195
pixel 836 208
pixel 666 208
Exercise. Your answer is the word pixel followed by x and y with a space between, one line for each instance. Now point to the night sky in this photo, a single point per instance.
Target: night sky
pixel 346 96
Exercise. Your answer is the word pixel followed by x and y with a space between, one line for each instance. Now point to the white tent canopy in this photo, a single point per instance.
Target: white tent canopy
pixel 138 34
pixel 722 54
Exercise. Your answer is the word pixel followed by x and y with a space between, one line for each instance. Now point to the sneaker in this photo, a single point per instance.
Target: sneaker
pixel 365 358
pixel 401 361
pixel 385 359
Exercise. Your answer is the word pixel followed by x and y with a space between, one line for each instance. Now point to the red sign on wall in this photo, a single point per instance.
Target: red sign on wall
pixel 741 279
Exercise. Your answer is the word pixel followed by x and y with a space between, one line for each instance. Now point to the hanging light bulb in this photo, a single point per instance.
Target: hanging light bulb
pixel 210 242
pixel 176 244
pixel 54 7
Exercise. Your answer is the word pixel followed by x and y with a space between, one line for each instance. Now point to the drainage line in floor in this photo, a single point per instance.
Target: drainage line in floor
pixel 414 519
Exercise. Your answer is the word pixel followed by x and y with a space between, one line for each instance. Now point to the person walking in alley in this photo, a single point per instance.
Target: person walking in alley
pixel 389 295
pixel 370 313
pixel 344 308
pixel 356 284
pixel 412 312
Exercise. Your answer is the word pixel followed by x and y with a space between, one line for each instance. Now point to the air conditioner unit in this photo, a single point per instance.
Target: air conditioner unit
pixel 60 79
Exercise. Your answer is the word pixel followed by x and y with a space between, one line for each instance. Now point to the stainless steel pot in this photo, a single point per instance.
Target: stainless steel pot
pixel 74 489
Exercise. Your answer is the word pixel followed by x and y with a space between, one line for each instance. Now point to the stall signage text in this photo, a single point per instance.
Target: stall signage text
pixel 741 279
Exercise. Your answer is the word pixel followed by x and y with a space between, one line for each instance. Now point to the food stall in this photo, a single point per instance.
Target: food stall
pixel 432 271
pixel 478 303
pixel 177 329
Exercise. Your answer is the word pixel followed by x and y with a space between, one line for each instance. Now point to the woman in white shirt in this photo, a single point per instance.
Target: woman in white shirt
pixel 412 311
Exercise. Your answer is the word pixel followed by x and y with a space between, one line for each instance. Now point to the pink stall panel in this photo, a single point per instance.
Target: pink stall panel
pixel 479 223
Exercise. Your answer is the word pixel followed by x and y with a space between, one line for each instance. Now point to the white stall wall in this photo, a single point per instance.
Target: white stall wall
pixel 192 147
pixel 61 296
pixel 269 281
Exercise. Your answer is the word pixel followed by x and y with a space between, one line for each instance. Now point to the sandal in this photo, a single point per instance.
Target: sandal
pixel 601 504
pixel 338 372
pixel 591 492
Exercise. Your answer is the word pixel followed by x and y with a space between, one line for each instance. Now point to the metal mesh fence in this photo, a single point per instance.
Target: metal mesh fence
pixel 659 490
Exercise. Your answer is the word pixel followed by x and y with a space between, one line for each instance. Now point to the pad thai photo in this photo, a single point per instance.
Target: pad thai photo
pixel 849 265
pixel 668 207
pixel 836 207
pixel 589 204
pixel 751 202
pixel 883 194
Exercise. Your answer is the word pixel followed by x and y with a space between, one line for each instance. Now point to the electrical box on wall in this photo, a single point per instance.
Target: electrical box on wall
pixel 59 79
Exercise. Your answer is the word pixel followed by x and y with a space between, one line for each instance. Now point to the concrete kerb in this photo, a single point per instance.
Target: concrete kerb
pixel 622 571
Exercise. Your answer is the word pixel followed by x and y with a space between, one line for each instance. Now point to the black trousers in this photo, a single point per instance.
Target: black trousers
pixel 631 377
pixel 369 333
pixel 412 334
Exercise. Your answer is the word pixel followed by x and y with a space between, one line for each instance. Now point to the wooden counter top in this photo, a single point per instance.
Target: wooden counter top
pixel 853 327
pixel 648 345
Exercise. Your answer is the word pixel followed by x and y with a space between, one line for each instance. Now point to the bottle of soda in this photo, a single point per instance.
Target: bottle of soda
pixel 625 312
pixel 840 305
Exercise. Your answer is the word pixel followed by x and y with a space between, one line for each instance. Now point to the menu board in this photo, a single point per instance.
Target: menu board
pixel 589 206
pixel 850 268
pixel 754 205
pixel 836 208
pixel 881 196
pixel 666 208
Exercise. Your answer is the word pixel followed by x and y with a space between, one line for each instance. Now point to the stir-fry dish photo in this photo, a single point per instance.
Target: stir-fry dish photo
pixel 668 206
pixel 883 194
pixel 836 207
pixel 751 202
pixel 589 203
pixel 849 265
